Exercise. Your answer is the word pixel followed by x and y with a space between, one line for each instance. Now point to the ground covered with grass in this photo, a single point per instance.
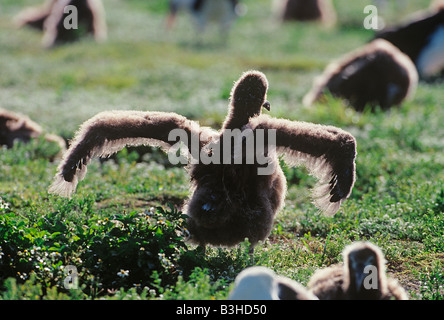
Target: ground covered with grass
pixel 122 235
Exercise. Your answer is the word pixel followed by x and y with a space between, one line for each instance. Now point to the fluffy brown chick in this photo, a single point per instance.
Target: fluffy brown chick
pixel 361 277
pixel 237 184
pixel 377 74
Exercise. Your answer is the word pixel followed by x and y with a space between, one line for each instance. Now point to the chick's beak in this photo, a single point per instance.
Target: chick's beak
pixel 266 105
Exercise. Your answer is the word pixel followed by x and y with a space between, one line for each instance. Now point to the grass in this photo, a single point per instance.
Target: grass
pixel 123 229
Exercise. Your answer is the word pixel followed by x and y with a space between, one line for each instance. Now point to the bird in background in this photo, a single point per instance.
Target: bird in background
pixel 421 38
pixel 234 196
pixel 319 11
pixel 362 276
pixel 19 127
pixel 51 18
pixel 261 283
pixel 376 74
pixel 205 12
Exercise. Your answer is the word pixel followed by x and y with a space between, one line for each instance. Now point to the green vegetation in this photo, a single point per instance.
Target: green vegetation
pixel 123 229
